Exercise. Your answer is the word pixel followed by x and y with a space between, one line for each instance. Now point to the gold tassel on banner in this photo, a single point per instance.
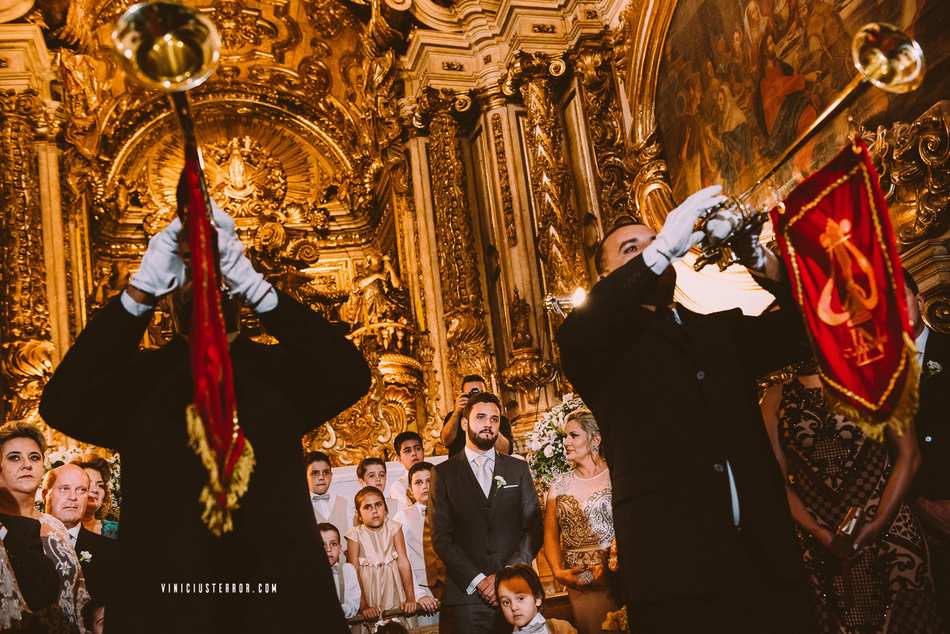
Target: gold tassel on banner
pixel 905 409
pixel 217 519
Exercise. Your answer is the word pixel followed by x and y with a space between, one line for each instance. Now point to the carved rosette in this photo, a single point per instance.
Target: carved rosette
pixel 604 115
pixel 556 223
pixel 467 332
pixel 527 371
pixel 26 362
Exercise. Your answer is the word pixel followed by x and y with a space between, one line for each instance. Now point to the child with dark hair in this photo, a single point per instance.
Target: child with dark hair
pixel 377 548
pixel 412 519
pixel 371 472
pixel 344 574
pixel 520 595
pixel 409 451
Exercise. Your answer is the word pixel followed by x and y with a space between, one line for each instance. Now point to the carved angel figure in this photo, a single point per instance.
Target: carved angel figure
pixel 377 294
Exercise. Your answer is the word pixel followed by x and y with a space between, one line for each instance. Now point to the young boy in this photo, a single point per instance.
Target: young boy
pixel 412 518
pixel 344 574
pixel 409 451
pixel 332 509
pixel 371 472
pixel 520 596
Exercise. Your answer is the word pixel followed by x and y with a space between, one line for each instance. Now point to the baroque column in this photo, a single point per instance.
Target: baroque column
pixel 556 223
pixel 26 349
pixel 603 109
pixel 467 333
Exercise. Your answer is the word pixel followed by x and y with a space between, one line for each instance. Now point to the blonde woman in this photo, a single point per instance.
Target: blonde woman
pixel 578 524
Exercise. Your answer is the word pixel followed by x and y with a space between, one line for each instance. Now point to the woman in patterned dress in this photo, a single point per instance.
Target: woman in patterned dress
pixel 578 524
pixel 877 580
pixel 21 467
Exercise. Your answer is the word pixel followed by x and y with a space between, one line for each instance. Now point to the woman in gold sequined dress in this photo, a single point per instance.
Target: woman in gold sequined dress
pixel 578 524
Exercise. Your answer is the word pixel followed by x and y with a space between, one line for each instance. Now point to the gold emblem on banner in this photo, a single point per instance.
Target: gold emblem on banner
pixel 857 300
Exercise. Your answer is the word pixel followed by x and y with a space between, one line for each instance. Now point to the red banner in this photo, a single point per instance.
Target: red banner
pixel 838 245
pixel 212 420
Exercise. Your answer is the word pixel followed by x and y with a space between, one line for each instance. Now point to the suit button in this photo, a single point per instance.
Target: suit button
pixel 719 467
pixel 928 438
pixel 700 375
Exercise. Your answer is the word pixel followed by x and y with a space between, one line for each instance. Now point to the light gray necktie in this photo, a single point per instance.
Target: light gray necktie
pixel 483 473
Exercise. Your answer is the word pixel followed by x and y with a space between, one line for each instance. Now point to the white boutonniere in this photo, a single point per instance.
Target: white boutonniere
pixel 85 556
pixel 500 482
pixel 933 368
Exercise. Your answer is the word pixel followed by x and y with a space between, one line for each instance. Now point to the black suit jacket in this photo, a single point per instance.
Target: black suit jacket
pixel 35 573
pixel 109 393
pixel 101 568
pixel 933 419
pixel 473 534
pixel 674 403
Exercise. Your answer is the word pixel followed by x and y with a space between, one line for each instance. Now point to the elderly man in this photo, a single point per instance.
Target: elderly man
pixel 704 534
pixel 65 492
pixel 270 573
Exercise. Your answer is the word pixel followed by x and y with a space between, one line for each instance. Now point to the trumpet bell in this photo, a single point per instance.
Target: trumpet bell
pixel 166 46
pixel 888 58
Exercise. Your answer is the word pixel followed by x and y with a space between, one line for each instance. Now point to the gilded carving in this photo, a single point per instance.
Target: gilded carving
pixel 651 186
pixel 328 17
pixel 467 333
pixel 504 180
pixel 556 222
pixel 527 371
pixel 605 122
pixel 913 161
pixel 240 26
pixel 24 309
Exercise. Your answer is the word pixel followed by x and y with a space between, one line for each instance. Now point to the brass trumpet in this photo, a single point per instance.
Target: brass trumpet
pixel 170 48
pixel 884 57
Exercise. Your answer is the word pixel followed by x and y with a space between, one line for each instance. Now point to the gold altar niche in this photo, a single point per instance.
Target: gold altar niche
pixel 300 142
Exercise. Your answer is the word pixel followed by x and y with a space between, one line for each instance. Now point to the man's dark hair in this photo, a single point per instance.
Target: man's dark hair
pixel 327 527
pixel 910 283
pixel 317 456
pixel 403 437
pixel 392 627
pixel 419 466
pixel 472 378
pixel 23 430
pixel 622 221
pixel 524 572
pixel 367 462
pixel 481 397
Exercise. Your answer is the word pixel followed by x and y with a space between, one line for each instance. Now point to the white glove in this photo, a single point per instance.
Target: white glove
pixel 679 233
pixel 162 269
pixel 721 225
pixel 238 272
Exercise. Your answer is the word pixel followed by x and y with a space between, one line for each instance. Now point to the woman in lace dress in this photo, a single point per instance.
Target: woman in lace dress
pixel 578 524
pixel 877 579
pixel 21 466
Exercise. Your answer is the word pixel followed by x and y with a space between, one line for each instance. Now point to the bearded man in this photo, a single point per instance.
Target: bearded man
pixel 485 517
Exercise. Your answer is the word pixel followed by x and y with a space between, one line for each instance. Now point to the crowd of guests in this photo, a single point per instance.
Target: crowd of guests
pixel 60 562
pixel 714 528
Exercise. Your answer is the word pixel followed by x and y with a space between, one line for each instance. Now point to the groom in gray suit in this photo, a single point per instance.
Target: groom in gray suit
pixel 485 517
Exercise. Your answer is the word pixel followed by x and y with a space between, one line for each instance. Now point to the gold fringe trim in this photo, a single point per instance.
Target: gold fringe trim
pixel 902 416
pixel 218 520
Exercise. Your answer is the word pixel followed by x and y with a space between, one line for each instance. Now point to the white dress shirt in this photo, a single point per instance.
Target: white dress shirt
pixel 473 455
pixel 921 343
pixel 73 534
pixel 413 520
pixel 350 601
pixel 397 491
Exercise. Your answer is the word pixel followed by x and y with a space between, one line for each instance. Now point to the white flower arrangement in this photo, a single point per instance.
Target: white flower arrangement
pixel 545 443
pixel 933 368
pixel 500 482
pixel 85 556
